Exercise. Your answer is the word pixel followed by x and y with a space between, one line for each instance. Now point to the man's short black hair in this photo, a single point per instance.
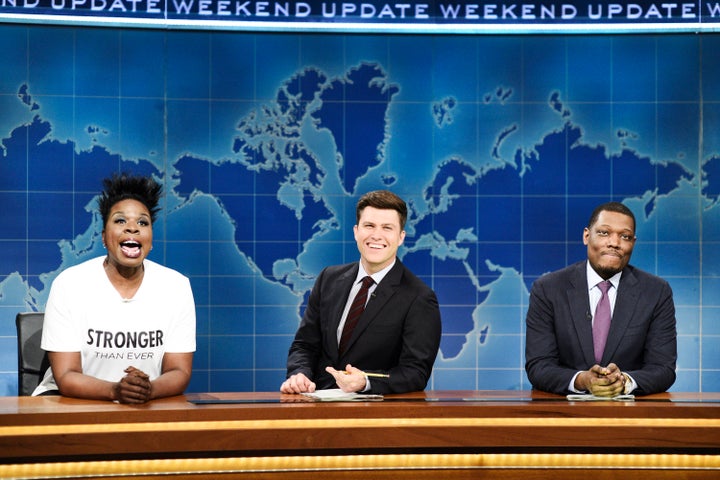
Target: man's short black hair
pixel 611 207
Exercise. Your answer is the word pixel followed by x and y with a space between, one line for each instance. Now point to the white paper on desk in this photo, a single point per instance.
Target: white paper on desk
pixel 337 395
pixel 588 397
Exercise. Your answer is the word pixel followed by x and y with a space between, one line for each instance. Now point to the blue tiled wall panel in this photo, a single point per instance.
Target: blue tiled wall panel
pixel 502 146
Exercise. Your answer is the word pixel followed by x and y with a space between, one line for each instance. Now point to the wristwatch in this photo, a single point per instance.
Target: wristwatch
pixel 627 384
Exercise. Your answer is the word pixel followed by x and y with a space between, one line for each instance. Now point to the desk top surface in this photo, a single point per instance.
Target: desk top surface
pixel 273 405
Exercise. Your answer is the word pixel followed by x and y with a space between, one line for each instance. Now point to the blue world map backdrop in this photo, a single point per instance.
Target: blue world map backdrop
pixel 501 145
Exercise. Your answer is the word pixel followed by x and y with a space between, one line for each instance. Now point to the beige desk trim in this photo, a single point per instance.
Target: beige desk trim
pixel 350 423
pixel 319 464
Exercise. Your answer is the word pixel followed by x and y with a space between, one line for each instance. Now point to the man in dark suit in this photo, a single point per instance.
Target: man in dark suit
pixel 397 335
pixel 640 348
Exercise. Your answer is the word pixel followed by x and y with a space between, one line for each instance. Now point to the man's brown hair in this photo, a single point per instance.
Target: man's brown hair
pixel 383 200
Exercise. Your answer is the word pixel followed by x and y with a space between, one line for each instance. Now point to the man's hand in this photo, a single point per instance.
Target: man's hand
pixel 602 381
pixel 350 380
pixel 297 383
pixel 134 387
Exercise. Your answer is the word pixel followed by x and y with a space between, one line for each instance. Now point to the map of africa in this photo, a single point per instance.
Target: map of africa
pixel 501 150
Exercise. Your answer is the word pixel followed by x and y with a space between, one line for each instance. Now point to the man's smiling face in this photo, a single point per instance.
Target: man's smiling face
pixel 378 236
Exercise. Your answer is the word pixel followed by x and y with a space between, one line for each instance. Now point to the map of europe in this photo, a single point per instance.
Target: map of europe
pixel 254 218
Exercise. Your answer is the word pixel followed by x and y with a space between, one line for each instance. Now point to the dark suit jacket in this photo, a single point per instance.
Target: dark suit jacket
pixel 642 340
pixel 398 333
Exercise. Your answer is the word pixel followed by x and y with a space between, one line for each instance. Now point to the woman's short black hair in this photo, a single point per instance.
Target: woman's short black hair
pixel 124 186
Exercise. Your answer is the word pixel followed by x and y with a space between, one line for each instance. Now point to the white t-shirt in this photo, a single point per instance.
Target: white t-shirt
pixel 85 314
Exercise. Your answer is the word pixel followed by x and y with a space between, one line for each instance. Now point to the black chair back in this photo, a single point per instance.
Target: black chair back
pixel 32 360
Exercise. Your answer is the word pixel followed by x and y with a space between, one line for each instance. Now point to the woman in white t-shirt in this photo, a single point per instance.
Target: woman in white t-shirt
pixel 120 327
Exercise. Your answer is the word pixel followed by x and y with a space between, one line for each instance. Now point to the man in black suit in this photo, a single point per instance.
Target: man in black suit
pixel 641 345
pixel 397 335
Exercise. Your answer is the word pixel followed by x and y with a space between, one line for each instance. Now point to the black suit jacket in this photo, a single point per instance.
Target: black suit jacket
pixel 398 333
pixel 642 340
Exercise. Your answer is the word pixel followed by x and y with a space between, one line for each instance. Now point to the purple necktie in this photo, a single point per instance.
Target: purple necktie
pixel 356 309
pixel 601 321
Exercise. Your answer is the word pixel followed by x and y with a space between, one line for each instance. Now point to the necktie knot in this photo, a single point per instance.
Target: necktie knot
pixel 604 286
pixel 367 282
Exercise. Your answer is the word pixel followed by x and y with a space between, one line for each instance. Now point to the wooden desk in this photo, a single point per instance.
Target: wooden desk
pixel 466 434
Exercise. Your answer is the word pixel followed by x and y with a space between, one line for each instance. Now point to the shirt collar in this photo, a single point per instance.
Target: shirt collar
pixel 593 278
pixel 377 276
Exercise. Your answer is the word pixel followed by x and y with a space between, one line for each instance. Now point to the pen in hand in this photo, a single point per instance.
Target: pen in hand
pixel 370 374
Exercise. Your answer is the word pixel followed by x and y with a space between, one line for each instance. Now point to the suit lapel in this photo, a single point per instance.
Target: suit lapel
pixel 625 302
pixel 340 290
pixel 579 301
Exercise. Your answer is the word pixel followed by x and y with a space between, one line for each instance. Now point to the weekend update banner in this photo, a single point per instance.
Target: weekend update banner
pixel 449 16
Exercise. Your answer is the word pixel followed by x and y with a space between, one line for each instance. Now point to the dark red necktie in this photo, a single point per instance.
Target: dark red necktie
pixel 356 309
pixel 601 321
